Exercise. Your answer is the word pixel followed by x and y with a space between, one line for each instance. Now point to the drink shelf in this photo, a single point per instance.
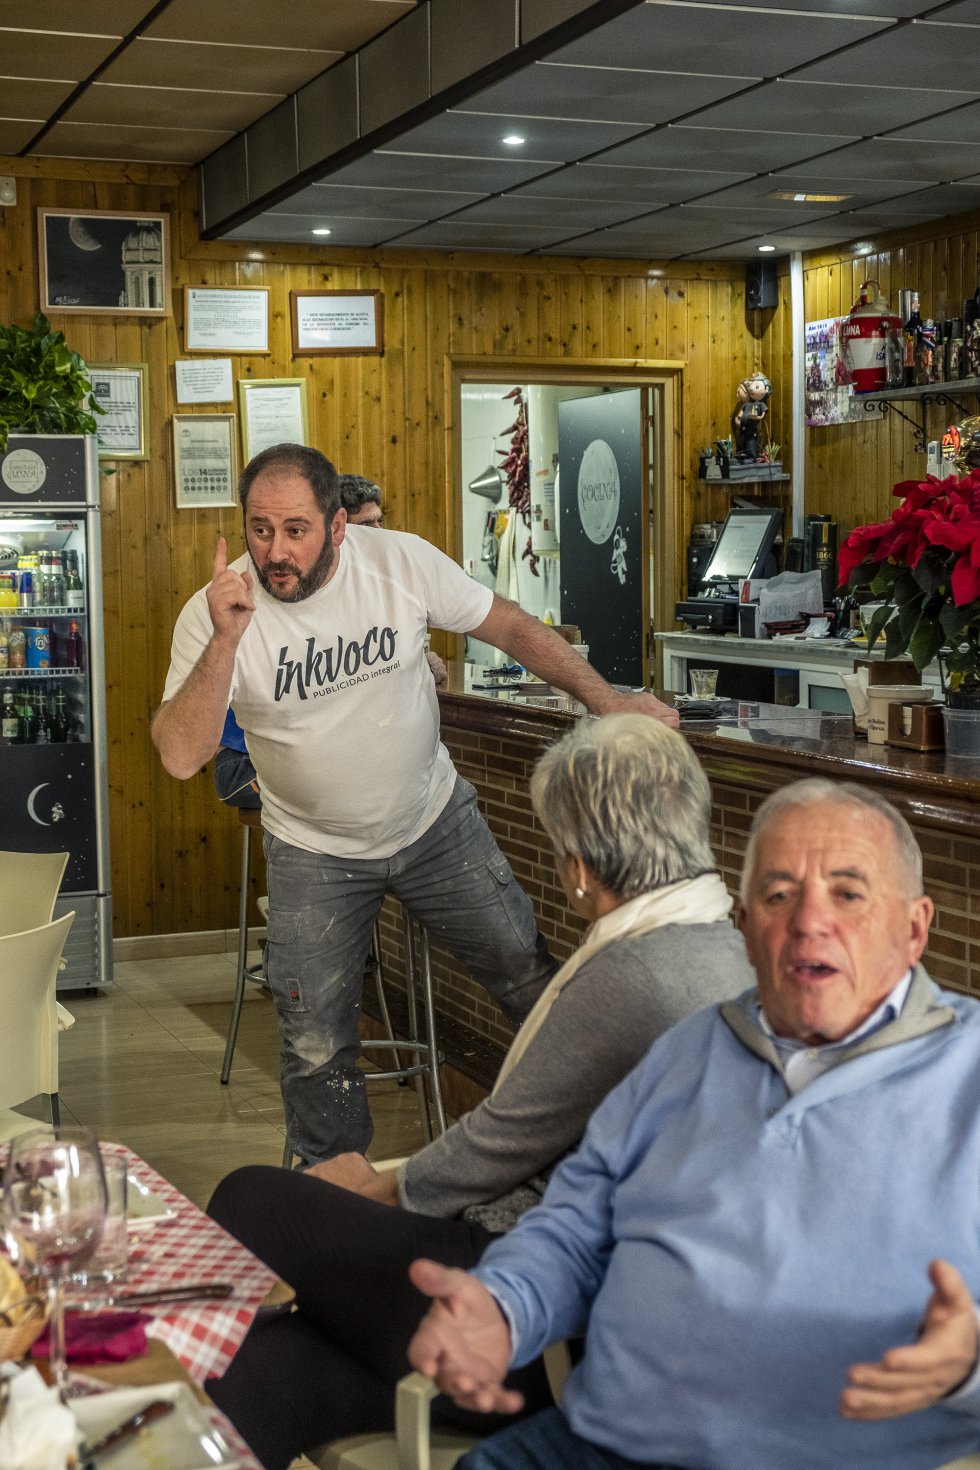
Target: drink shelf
pixel 63 673
pixel 56 610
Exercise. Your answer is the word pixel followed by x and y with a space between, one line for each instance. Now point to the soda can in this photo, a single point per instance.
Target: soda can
pixel 25 591
pixel 38 647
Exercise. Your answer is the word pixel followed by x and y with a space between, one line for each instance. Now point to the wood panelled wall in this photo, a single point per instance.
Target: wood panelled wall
pixel 851 468
pixel 175 851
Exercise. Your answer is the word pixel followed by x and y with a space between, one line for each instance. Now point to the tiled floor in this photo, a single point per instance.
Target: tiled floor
pixel 142 1062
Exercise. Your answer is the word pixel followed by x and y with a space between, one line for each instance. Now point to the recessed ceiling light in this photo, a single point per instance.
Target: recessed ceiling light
pixel 323 231
pixel 766 249
pixel 514 140
pixel 790 196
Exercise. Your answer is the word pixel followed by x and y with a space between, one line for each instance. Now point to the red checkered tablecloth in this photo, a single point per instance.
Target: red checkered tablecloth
pixel 203 1335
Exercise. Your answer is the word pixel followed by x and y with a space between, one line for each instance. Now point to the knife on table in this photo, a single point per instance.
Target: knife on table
pixel 199 1291
pixel 149 1414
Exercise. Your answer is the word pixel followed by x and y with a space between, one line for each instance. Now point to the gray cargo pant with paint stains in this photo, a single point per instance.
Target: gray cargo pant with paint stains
pixel 455 880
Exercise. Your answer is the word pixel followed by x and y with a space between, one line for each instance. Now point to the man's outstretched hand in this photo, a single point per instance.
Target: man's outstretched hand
pixel 917 1376
pixel 463 1342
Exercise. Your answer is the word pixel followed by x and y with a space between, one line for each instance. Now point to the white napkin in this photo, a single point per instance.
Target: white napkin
pixel 856 685
pixel 38 1431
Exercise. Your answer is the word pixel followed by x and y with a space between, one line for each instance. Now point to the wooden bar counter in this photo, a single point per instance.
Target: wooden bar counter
pixel 495 740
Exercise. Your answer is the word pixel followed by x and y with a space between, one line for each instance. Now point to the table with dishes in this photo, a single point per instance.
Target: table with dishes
pixel 172 1249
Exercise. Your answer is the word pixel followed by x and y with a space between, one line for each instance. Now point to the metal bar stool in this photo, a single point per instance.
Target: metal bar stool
pixel 249 818
pixel 423 1059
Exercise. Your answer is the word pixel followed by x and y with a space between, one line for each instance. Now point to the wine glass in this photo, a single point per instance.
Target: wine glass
pixel 54 1209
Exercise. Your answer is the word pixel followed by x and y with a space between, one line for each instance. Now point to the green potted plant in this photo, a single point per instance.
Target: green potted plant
pixel 924 563
pixel 44 385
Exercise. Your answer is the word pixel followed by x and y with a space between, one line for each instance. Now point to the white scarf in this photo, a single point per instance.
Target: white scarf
pixel 703 900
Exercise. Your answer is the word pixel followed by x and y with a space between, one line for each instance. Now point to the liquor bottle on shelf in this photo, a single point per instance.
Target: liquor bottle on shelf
pixel 73 648
pixel 9 720
pixel 74 587
pixel 60 719
pixel 910 337
pixel 971 336
pixel 28 719
pixel 42 727
pixel 56 586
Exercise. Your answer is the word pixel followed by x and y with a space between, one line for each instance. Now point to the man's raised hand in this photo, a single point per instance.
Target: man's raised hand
pixel 230 600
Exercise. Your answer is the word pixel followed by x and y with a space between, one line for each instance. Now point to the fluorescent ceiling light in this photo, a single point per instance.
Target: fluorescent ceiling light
pixel 766 249
pixel 323 231
pixel 790 196
pixel 514 140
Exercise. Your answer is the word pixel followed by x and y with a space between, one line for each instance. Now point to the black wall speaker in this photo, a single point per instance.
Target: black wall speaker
pixel 761 290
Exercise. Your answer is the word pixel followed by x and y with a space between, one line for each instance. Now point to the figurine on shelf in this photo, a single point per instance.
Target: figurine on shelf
pixel 751 408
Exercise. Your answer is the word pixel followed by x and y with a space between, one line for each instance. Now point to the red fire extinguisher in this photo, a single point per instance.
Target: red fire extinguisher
pixel 869 339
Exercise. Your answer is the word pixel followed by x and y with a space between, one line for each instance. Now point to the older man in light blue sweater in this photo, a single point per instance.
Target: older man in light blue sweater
pixel 770 1235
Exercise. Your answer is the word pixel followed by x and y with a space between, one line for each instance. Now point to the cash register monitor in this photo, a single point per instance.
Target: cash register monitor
pixel 744 545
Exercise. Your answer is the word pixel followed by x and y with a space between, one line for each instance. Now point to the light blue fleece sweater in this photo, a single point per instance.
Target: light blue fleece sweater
pixel 732 1250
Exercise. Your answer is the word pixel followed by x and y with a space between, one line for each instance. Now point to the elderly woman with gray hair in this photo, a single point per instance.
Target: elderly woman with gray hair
pixel 626 806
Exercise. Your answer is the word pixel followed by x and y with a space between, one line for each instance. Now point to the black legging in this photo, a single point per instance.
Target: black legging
pixel 329 1368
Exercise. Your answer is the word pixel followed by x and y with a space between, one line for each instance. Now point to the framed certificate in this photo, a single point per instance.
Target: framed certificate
pixel 205 472
pixel 120 391
pixel 332 323
pixel 104 262
pixel 226 319
pixel 204 380
pixel 273 411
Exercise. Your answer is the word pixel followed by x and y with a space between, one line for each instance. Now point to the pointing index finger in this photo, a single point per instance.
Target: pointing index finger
pixel 220 558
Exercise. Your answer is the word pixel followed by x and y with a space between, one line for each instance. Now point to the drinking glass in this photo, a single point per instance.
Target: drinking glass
pixel 704 682
pixel 54 1209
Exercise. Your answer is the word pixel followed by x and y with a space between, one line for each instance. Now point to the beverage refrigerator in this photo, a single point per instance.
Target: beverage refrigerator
pixel 52 682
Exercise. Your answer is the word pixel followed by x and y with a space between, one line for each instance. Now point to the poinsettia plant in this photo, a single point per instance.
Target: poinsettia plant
pixel 925 564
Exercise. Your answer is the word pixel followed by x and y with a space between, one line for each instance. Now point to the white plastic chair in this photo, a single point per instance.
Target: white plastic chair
pixel 29 883
pixel 29 963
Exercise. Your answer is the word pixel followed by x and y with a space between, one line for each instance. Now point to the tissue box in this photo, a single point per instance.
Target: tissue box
pixel 889 671
pixel 916 726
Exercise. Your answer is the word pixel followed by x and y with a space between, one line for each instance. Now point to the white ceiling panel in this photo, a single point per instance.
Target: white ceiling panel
pixel 638 186
pixel 828 107
pixel 934 56
pixel 480 135
pixel 665 35
pixel 961 125
pixel 601 94
pixel 688 147
pixel 434 171
pixel 295 230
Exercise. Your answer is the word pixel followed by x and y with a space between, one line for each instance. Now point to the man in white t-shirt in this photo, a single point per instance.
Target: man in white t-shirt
pixel 316 638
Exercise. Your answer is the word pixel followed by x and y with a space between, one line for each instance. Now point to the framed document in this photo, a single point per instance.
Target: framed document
pixel 273 411
pixel 104 262
pixel 204 380
pixel 226 319
pixel 331 323
pixel 205 471
pixel 120 391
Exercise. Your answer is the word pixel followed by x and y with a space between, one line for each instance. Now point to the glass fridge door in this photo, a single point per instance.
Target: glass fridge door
pixel 46 692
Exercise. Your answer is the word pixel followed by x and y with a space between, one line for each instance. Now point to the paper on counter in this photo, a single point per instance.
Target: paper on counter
pixel 38 1431
pixel 787 596
pixel 856 685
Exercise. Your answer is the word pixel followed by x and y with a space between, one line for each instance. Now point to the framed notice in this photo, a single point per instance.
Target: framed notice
pixel 273 411
pixel 332 323
pixel 104 262
pixel 205 471
pixel 204 380
pixel 120 391
pixel 226 319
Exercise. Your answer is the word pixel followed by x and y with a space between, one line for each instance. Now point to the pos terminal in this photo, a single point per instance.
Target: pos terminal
pixel 744 549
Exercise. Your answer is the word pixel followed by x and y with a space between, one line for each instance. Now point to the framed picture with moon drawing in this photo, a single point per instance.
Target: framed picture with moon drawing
pixel 104 261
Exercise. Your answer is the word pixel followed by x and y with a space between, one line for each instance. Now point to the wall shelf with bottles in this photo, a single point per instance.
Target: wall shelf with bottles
pixel 54 610
pixel 925 395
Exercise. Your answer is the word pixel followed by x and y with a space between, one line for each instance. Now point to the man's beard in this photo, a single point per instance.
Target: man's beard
pixel 306 582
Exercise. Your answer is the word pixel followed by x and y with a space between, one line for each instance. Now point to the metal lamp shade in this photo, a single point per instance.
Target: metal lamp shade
pixel 490 484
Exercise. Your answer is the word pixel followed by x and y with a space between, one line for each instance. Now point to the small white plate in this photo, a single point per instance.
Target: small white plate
pixel 184 1440
pixel 145 1208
